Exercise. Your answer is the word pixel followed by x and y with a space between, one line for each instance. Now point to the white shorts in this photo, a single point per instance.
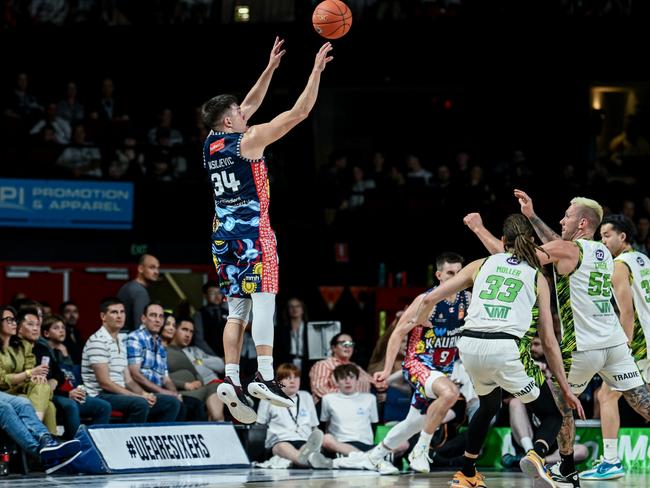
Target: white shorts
pixel 615 365
pixel 493 363
pixel 644 368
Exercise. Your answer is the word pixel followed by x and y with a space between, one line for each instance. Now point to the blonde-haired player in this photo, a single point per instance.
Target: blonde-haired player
pixel 632 288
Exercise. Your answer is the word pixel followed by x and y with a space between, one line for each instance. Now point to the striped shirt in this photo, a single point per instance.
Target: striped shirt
pixel 102 348
pixel 322 382
pixel 147 351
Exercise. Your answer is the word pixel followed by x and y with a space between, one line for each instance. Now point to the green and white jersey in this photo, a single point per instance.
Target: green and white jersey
pixel 639 267
pixel 504 294
pixel 584 301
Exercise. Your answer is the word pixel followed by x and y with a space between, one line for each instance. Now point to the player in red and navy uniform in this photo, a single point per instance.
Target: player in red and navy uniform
pixel 428 363
pixel 243 242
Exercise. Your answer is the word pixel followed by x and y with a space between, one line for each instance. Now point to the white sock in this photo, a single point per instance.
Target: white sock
pixel 424 439
pixel 611 450
pixel 527 444
pixel 232 372
pixel 265 367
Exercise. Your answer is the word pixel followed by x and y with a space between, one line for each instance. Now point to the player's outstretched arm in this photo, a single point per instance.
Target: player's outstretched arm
pixel 550 345
pixel 475 224
pixel 545 233
pixel 260 136
pixel 464 279
pixel 256 95
pixel 405 324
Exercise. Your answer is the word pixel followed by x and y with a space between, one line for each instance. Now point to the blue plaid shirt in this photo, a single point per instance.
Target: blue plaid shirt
pixel 149 353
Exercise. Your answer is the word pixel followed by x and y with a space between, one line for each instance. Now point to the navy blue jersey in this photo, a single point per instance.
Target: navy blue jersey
pixel 436 346
pixel 241 189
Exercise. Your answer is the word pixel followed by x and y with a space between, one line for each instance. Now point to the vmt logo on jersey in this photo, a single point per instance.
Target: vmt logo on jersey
pixel 600 254
pixel 497 311
pixel 513 260
pixel 640 260
pixel 603 306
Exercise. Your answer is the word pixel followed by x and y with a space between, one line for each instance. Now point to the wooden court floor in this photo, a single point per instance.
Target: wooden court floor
pixel 290 478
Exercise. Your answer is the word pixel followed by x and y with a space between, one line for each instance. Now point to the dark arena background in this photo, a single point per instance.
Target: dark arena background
pixel 429 111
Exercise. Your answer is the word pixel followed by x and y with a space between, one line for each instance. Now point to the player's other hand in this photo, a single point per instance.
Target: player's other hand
pixel 574 404
pixel 525 202
pixel 322 57
pixel 473 221
pixel 381 376
pixel 276 53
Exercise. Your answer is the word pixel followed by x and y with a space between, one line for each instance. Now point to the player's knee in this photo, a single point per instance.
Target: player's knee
pixel 605 395
pixel 515 405
pixel 450 395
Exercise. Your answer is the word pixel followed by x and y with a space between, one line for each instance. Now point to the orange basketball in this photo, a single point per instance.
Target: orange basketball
pixel 332 19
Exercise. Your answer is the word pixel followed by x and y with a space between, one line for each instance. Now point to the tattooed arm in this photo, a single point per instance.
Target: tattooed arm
pixel 544 232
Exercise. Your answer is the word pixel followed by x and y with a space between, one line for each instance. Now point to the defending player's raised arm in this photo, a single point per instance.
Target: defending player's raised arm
pixel 464 279
pixel 556 251
pixel 623 297
pixel 260 136
pixel 475 224
pixel 256 95
pixel 550 345
pixel 545 233
pixel 405 324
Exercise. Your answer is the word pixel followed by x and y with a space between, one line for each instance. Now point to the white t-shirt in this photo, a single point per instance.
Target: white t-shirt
pixel 283 422
pixel 101 348
pixel 350 416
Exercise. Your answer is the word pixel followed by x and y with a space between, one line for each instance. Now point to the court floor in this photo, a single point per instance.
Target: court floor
pixel 291 478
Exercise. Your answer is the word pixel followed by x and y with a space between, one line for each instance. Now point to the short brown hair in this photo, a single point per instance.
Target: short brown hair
pixel 344 370
pixel 287 369
pixel 214 110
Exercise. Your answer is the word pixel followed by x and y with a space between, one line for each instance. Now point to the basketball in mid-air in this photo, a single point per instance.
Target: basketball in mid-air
pixel 332 19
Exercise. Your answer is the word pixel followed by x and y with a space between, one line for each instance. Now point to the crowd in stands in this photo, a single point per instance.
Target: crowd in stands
pixel 114 12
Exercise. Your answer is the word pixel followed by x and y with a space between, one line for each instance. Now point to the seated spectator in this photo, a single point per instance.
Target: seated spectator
pixel 292 431
pixel 208 367
pixel 349 414
pixel 70 108
pixel 290 343
pixel 72 342
pixel 70 400
pixel 81 158
pixel 168 330
pixel 395 403
pixel 61 126
pixel 105 374
pixel 19 421
pixel 22 104
pixel 165 122
pixel 321 378
pixel 210 320
pixel 147 357
pixel 417 175
pixel 128 162
pixel 184 362
pixel 524 424
pixel 19 374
